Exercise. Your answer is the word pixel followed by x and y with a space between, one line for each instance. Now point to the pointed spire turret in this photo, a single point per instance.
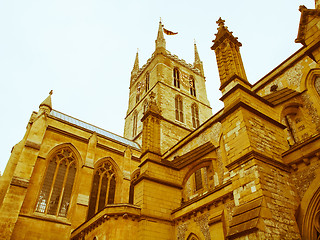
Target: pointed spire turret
pixel 135 69
pixel 46 105
pixel 160 42
pixel 227 50
pixel 197 62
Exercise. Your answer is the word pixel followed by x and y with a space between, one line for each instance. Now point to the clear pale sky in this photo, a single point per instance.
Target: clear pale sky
pixel 84 51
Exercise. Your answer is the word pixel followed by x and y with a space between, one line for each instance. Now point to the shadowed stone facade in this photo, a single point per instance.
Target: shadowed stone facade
pixel 249 171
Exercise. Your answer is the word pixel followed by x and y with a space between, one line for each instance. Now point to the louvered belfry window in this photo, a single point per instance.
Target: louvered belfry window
pixel 176 78
pixel 198 179
pixel 103 188
pixel 179 108
pixel 195 115
pixel 147 81
pixel 55 194
pixel 192 86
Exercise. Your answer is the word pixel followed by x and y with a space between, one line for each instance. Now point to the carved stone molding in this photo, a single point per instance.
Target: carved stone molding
pixel 20 182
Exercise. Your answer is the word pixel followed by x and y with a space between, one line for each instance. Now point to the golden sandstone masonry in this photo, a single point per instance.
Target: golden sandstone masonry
pixel 250 171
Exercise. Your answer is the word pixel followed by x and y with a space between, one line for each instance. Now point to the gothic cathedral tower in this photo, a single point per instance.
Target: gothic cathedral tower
pixel 178 89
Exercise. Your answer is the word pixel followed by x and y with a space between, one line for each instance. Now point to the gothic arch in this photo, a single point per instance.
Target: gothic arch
pixel 70 146
pixel 307 82
pixel 197 180
pixel 309 212
pixel 300 125
pixel 112 162
pixel 55 196
pixel 105 186
pixel 195 166
pixel 135 173
pixel 192 236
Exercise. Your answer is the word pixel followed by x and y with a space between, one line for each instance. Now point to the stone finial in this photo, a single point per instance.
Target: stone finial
pixel 227 50
pixel 46 105
pixel 220 22
pixel 222 34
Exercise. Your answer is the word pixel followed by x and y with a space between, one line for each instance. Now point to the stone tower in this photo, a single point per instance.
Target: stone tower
pixel 179 91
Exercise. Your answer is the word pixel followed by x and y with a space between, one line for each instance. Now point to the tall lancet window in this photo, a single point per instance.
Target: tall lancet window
pixel 192 86
pixel 103 188
pixel 147 81
pixel 195 115
pixel 176 77
pixel 179 108
pixel 55 194
pixel 135 124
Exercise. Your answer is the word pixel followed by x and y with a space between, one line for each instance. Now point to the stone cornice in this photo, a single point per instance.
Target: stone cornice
pixel 19 182
pixel 145 176
pixel 254 155
pixel 233 77
pixel 207 124
pixel 206 205
pixel 246 90
pixel 195 154
pixel 47 218
pixel 126 211
pixel 251 109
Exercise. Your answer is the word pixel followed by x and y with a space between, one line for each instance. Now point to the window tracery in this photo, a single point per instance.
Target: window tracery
pixel 55 194
pixel 103 188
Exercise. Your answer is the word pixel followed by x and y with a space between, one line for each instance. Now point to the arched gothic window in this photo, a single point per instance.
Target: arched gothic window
pixel 299 128
pixel 54 198
pixel 192 236
pixel 147 81
pixel 192 86
pixel 135 123
pixel 195 115
pixel 176 77
pixel 317 84
pixel 103 188
pixel 179 108
pixel 198 183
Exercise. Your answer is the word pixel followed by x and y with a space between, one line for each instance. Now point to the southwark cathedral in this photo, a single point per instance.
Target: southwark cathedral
pixel 180 172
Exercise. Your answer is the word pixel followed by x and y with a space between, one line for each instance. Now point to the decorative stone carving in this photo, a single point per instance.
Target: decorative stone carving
pixel 181 231
pixel 308 104
pixel 203 223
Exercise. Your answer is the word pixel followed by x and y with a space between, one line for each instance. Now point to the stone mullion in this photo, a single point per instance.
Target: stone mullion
pixel 108 188
pixel 62 189
pixel 98 194
pixel 52 184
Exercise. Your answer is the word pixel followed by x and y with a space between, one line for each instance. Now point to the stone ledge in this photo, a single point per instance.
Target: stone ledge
pixel 19 182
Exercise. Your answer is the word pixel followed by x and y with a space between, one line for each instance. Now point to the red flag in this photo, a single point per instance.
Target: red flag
pixel 166 31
